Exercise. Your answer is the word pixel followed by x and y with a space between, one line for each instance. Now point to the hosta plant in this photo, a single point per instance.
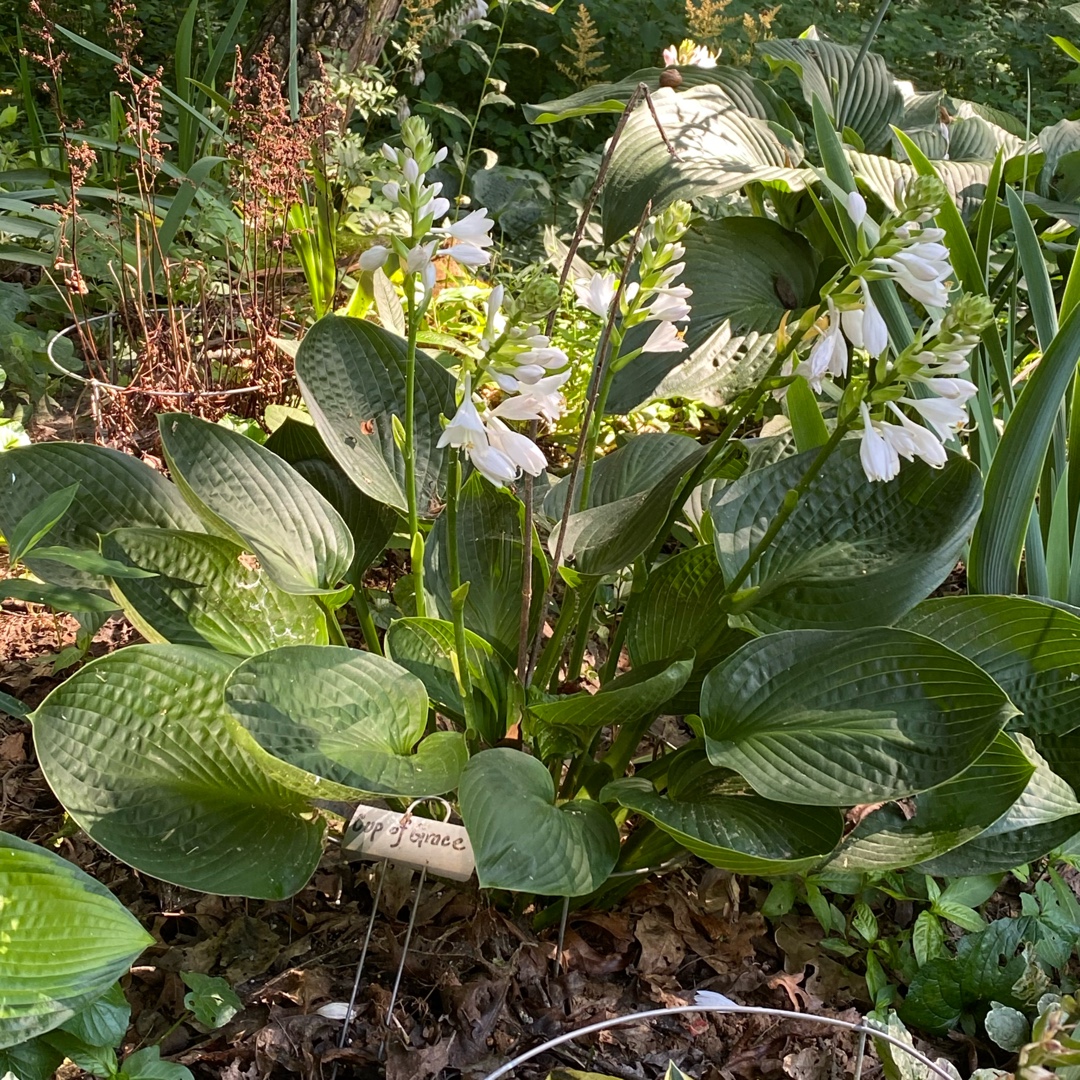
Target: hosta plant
pixel 769 590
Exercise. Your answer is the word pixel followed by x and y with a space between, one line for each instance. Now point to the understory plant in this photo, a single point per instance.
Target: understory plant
pixel 768 586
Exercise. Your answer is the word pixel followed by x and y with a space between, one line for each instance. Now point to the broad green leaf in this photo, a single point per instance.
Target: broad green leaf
pixel 944 817
pixel 32 1060
pixel 864 98
pixel 211 999
pixel 1044 816
pixel 629 697
pixel 1013 479
pixel 1031 650
pixel 1056 141
pixel 249 495
pixel 720 148
pixel 12 706
pixel 835 718
pixel 522 840
pixel 146 1064
pixel 116 491
pixel 677 613
pixel 27 532
pixel 338 723
pixel 103 1022
pixel 371 523
pixel 352 374
pixel 965 181
pixel 56 596
pixel 746 273
pixel 631 492
pixel 140 749
pixel 209 592
pixel 91 562
pixel 66 938
pixel 852 553
pixel 753 96
pixel 426 648
pixel 492 559
pixel 711 813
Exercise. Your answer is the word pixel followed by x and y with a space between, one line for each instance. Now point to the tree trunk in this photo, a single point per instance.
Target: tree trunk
pixel 357 28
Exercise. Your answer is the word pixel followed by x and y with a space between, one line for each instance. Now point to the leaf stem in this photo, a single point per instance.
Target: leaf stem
pixel 367 622
pixel 586 601
pixel 416 546
pixel 458 595
pixel 549 658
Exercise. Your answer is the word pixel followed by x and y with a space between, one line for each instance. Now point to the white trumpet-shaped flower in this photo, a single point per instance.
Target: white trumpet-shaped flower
pixel 923 443
pixel 665 338
pixel 855 205
pixel 596 294
pixel 829 356
pixel 879 457
pixel 865 327
pixel 374 257
pixel 520 449
pixel 944 415
pixel 542 400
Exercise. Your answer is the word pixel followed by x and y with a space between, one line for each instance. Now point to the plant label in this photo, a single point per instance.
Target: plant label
pixel 410 841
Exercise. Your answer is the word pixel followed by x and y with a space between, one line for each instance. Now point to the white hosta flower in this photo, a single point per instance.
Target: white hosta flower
pixel 540 401
pixel 923 442
pixel 389 153
pixel 420 257
pixel 880 460
pixel 959 390
pixel 468 255
pixel 392 190
pixel 829 356
pixel 550 357
pixel 703 58
pixel 411 170
pixel 671 56
pixel 865 328
pixel 596 294
pixel 931 293
pixel 899 439
pixel 856 208
pixel 665 338
pixel 465 427
pixel 520 449
pixel 942 414
pixel 374 257
pixel 474 228
pixel 668 308
pixel 493 464
pixel 494 322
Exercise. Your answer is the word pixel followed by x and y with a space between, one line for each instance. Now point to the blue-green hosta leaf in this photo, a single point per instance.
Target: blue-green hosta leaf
pixel 426 648
pixel 1031 650
pixel 1042 818
pixel 677 613
pixel 865 98
pixel 944 817
pixel 852 553
pixel 207 591
pixel 352 374
pixel 116 491
pixel 711 812
pixel 964 180
pixel 522 840
pixel 338 723
pixel 249 495
pixel 840 718
pixel 720 148
pixel 140 749
pixel 66 940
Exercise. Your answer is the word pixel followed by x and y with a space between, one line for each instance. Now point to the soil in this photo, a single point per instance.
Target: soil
pixel 479 982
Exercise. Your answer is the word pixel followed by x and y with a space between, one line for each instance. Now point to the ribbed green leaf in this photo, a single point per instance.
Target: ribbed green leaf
pixel 66 940
pixel 116 491
pixel 352 374
pixel 207 592
pixel 678 613
pixel 338 723
pixel 852 553
pixel 140 749
pixel 838 718
pixel 522 840
pixel 964 180
pixel 252 497
pixel 944 817
pixel 712 814
pixel 1013 479
pixel 1031 650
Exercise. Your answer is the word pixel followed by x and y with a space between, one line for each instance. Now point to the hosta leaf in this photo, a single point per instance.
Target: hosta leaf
pixel 944 817
pixel 964 180
pixel 251 496
pixel 629 697
pixel 66 940
pixel 1056 141
pixel 838 718
pixel 1031 650
pixel 720 149
pixel 371 523
pixel 864 98
pixel 852 553
pixel 140 749
pixel 521 839
pixel 207 592
pixel 1045 815
pixel 352 374
pixel 426 648
pixel 492 558
pixel 116 491
pixel 745 273
pixel 337 723
pixel 753 96
pixel 677 613
pixel 631 492
pixel 711 813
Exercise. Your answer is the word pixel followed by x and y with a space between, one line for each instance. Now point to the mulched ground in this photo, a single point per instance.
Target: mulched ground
pixel 480 982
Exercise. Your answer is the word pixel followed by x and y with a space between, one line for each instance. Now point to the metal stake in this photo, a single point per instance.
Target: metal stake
pixel 405 948
pixel 859 1055
pixel 562 935
pixel 360 965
